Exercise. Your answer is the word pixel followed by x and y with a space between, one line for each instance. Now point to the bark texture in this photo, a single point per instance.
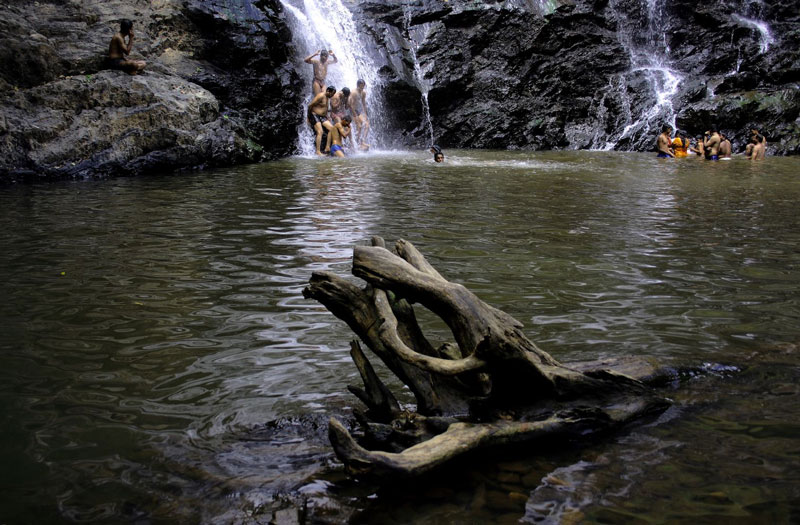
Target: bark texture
pixel 491 386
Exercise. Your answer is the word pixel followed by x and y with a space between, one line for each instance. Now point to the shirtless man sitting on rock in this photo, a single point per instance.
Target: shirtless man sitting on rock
pixel 118 50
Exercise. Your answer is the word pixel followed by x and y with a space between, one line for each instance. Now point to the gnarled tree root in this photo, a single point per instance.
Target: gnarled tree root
pixel 491 386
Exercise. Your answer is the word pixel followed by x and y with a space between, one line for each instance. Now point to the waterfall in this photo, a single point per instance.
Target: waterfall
pixel 328 24
pixel 419 75
pixel 648 48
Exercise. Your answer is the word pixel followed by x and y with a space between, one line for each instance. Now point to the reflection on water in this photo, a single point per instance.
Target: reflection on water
pixel 159 361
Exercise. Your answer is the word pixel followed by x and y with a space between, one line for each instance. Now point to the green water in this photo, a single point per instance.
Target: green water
pixel 159 364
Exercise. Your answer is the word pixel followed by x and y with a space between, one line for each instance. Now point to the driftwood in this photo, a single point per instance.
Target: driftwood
pixel 492 386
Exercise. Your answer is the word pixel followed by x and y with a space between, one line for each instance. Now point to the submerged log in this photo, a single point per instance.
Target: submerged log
pixel 491 386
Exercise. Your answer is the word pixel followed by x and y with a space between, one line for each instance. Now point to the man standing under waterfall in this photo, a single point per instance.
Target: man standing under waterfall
pixel 318 116
pixel 358 107
pixel 320 69
pixel 664 141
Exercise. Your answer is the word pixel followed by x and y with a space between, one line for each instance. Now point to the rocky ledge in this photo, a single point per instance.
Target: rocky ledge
pixel 218 88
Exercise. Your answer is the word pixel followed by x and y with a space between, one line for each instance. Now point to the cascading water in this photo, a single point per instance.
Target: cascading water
pixel 328 24
pixel 416 35
pixel 649 51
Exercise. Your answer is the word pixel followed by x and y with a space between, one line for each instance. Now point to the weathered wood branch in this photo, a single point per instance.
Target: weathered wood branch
pixel 501 386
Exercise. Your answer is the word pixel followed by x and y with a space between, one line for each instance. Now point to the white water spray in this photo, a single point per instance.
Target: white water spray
pixel 328 24
pixel 651 60
pixel 415 34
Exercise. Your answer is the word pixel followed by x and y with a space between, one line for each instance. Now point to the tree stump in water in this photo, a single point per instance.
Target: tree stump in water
pixel 492 386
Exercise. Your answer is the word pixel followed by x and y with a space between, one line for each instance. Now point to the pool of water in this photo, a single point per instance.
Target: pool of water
pixel 158 360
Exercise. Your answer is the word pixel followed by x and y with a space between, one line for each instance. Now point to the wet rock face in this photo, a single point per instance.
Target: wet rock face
pixel 218 88
pixel 560 74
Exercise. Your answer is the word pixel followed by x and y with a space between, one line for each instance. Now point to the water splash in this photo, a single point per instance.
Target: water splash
pixel 766 38
pixel 328 24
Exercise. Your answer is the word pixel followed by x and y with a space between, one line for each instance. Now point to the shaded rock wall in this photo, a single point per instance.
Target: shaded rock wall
pixel 560 74
pixel 218 89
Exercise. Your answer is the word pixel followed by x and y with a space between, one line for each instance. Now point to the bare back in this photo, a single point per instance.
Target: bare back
pixel 117 47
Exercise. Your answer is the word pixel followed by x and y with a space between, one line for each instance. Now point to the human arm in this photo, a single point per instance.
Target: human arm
pixel 334 57
pixel 126 49
pixel 310 58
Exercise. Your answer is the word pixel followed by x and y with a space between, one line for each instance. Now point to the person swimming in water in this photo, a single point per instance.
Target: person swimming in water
pixel 438 155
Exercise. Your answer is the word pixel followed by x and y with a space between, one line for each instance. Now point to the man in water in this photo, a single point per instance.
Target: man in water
pixel 318 115
pixel 759 147
pixel 711 144
pixel 320 69
pixel 118 50
pixel 699 148
pixel 339 132
pixel 358 105
pixel 724 147
pixel 749 149
pixel 663 142
pixel 438 156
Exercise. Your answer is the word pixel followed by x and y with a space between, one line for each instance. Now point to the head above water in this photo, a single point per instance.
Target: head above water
pixel 329 91
pixel 125 26
pixel 323 55
pixel 346 119
pixel 346 91
pixel 435 149
pixel 360 84
pixel 439 157
pixel 666 128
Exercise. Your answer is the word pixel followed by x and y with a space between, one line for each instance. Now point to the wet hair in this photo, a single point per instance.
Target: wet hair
pixel 361 82
pixel 665 128
pixel 346 91
pixel 438 156
pixel 323 52
pixel 435 149
pixel 330 88
pixel 347 118
pixel 125 25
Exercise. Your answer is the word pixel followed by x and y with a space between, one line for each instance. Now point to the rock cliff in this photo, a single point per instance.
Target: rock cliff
pixel 218 88
pixel 577 74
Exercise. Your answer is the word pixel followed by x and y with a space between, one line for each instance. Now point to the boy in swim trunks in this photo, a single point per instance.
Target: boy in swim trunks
pixel 339 132
pixel 118 51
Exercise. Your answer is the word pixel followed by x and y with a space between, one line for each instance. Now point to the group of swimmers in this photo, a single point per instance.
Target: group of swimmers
pixel 712 145
pixel 331 113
